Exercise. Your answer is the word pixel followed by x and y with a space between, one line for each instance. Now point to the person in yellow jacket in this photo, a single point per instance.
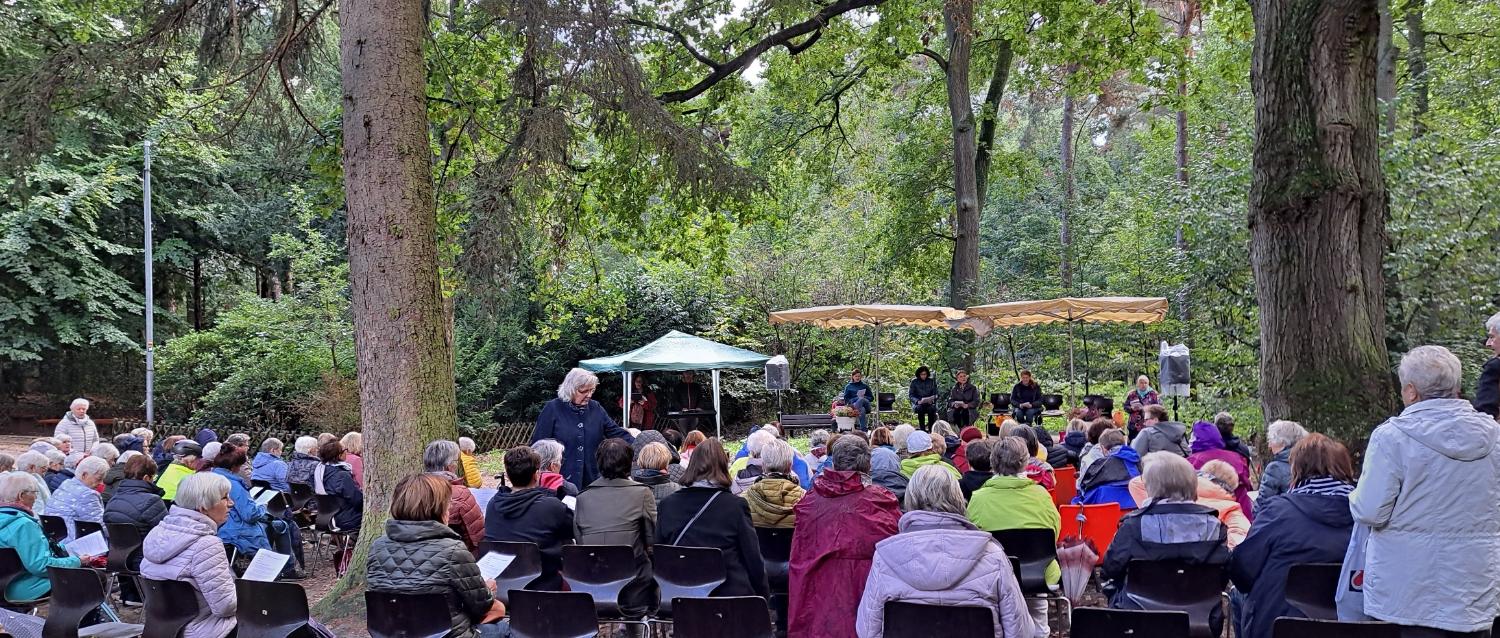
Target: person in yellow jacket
pixel 185 455
pixel 1009 500
pixel 924 452
pixel 472 476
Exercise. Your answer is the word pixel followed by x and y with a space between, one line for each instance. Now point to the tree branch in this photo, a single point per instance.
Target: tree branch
pixel 794 49
pixel 680 38
pixel 936 57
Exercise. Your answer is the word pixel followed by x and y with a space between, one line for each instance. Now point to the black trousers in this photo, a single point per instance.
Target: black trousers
pixel 926 415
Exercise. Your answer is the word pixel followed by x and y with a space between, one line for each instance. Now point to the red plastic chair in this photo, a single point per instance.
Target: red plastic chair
pixel 1067 485
pixel 1100 522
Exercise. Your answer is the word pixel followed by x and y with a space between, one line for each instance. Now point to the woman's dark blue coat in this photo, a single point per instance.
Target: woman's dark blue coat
pixel 580 430
pixel 1289 529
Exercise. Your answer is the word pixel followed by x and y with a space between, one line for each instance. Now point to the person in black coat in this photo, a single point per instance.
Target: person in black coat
pixel 1487 387
pixel 1224 421
pixel 137 502
pixel 335 478
pixel 923 394
pixel 529 513
pixel 579 423
pixel 1309 524
pixel 1026 399
pixel 978 455
pixel 1057 455
pixel 704 514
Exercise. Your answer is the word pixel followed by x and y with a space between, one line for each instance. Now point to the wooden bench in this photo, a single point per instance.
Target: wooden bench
pixel 792 422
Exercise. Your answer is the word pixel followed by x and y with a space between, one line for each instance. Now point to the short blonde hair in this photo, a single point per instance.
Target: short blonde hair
pixel 654 456
pixel 1221 472
pixel 353 442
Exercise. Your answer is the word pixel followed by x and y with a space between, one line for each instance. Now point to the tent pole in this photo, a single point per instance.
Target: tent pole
pixel 625 402
pixel 1087 368
pixel 718 415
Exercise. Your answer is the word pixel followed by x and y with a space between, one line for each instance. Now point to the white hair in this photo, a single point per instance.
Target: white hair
pixel 776 456
pixel 898 436
pixel 466 444
pixel 13 485
pixel 31 460
pixel 127 455
pixel 818 437
pixel 933 489
pixel 59 439
pixel 305 444
pixel 1493 324
pixel 550 452
pixel 201 490
pixel 1169 477
pixel 943 428
pixel 93 466
pixel 577 379
pixel 758 441
pixel 56 456
pixel 1284 433
pixel 1433 371
pixel 73 458
pixel 77 402
pixel 107 451
pixel 211 450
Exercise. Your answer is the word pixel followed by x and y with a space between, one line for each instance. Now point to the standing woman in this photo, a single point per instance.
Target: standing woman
pixel 77 425
pixel 923 395
pixel 641 410
pixel 579 423
pixel 1137 400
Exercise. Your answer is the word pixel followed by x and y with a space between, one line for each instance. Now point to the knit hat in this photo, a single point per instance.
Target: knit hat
pixel 918 441
pixel 970 433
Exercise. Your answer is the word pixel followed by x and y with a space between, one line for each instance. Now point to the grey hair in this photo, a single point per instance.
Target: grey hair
pixel 31 460
pixel 77 402
pixel 551 452
pixel 7 462
pixel 440 456
pixel 1169 477
pixel 127 455
pixel 1493 323
pixel 776 456
pixel 1284 433
pixel 93 465
pixel 55 456
pixel 305 444
pixel 14 484
pixel 466 444
pixel 577 378
pixel 1433 371
pixel 240 439
pixel 1009 456
pixel 757 442
pixel 1143 378
pixel 201 490
pixel 851 453
pixel 107 451
pixel 943 428
pixel 933 489
pixel 211 450
pixel 272 444
pixel 818 437
pixel 898 436
pixel 54 441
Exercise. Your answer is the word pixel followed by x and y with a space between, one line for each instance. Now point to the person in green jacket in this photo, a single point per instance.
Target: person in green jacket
pixel 184 459
pixel 21 531
pixel 1009 500
pixel 920 445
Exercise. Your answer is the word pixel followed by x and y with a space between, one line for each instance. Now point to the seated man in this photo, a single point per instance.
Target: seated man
pixel 858 395
pixel 1107 480
pixel 1026 396
pixel 530 513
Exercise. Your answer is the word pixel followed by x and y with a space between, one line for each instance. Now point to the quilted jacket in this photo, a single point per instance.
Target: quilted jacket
pixel 185 547
pixel 1236 525
pixel 942 559
pixel 55 478
pixel 463 509
pixel 83 432
pixel 472 476
pixel 137 503
pixel 75 501
pixel 21 531
pixel 1276 479
pixel 771 500
pixel 427 557
pixel 300 469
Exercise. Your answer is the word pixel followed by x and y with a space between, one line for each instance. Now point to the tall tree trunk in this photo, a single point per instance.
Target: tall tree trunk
pixel 1188 13
pixel 958 22
pixel 988 120
pixel 197 292
pixel 1385 87
pixel 402 344
pixel 1065 218
pixel 1416 64
pixel 1317 216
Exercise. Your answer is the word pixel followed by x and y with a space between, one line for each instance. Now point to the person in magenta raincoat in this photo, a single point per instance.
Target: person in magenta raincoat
pixel 1208 445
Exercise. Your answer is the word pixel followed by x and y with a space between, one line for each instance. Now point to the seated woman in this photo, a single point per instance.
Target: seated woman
pixel 420 554
pixel 776 491
pixel 1208 446
pixel 550 475
pixel 923 394
pixel 1091 450
pixel 186 547
pixel 34 464
pixel 1107 480
pixel 56 473
pixel 938 557
pixel 441 459
pixel 249 528
pixel 1171 526
pixel 78 498
pixel 1010 500
pixel 1037 467
pixel 746 470
pixel 20 530
pixel 334 478
pixel 651 470
pixel 615 510
pixel 704 514
pixel 137 502
pixel 1075 440
pixel 885 471
pixel 1216 483
pixel 1311 523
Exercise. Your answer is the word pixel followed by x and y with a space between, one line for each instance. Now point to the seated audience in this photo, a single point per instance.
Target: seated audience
pixel 1224 421
pixel 938 557
pixel 420 554
pixel 7 463
pixel 1276 479
pixel 269 467
pixel 185 459
pixel 1056 455
pixel 1010 500
pixel 1037 468
pixel 704 514
pixel 162 453
pixel 304 461
pixel 249 527
pixel 528 512
pixel 921 451
pixel 1076 441
pixel 838 524
pixel 1309 524
pixel 744 471
pixel 56 473
pixel 899 435
pixel 696 437
pixel 651 470
pixel 34 464
pixel 1171 526
pixel 614 510
pixel 776 491
pixel 674 463
pixel 945 440
pixel 1158 434
pixel 960 457
pixel 106 451
pixel 78 499
pixel 186 547
pixel 22 531
pixel 137 500
pixel 881 437
pixel 1209 446
pixel 440 459
pixel 1091 450
pixel 354 448
pixel 1215 483
pixel 116 473
pixel 333 478
pixel 980 471
pixel 473 477
pixel 549 476
pixel 885 471
pixel 1108 479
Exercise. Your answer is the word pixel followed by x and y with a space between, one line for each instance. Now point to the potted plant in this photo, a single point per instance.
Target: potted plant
pixel 845 416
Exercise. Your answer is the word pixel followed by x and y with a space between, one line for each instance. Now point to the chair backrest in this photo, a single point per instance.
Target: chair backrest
pixel 84 528
pixel 393 615
pixel 10 567
pixel 551 614
pixel 1310 588
pixel 1099 524
pixel 776 555
pixel 1305 628
pixel 1035 549
pixel 1104 406
pixel 519 574
pixel 600 571
pixel 54 528
pixel 328 507
pixel 124 540
pixel 1095 622
pixel 914 620
pixel 271 610
pixel 1169 585
pixel 170 606
pixel 265 485
pixel 75 593
pixel 1052 401
pixel 302 494
pixel 687 572
pixel 1000 401
pixel 1067 486
pixel 726 617
pixel 885 402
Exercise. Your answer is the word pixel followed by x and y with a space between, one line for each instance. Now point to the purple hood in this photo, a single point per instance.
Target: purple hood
pixel 1206 437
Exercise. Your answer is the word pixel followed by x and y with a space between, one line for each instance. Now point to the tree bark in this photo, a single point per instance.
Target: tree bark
pixel 1416 64
pixel 988 121
pixel 402 344
pixel 1065 217
pixel 958 22
pixel 1317 216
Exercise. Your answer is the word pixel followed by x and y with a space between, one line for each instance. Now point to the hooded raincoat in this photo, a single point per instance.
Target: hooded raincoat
pixel 1108 479
pixel 838 524
pixel 1170 436
pixel 885 471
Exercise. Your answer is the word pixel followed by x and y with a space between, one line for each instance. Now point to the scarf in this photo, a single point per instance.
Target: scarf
pixel 1215 480
pixel 1141 394
pixel 1323 486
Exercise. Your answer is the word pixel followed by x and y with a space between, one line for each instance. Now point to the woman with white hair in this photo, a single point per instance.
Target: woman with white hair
pixel 185 547
pixel 575 420
pixel 77 424
pixel 745 470
pixel 938 557
pixel 470 465
pixel 78 498
pixel 1281 435
pixel 35 464
pixel 775 491
pixel 21 531
pixel 1487 386
pixel 304 461
pixel 548 474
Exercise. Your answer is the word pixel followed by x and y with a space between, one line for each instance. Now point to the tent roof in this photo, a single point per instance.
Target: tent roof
pixel 870 315
pixel 678 351
pixel 1089 309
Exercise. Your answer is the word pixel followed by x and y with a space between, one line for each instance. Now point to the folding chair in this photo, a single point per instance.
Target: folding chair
pixel 271 610
pixel 393 615
pixel 11 567
pixel 686 572
pixel 1310 587
pixel 124 542
pixel 727 617
pixel 551 614
pixel 1067 485
pixel 1306 628
pixel 1099 523
pixel 1179 586
pixel 54 528
pixel 75 593
pixel 1033 551
pixel 170 606
pixel 776 555
pixel 1094 622
pixel 521 572
pixel 914 620
pixel 84 528
pixel 601 571
pixel 328 508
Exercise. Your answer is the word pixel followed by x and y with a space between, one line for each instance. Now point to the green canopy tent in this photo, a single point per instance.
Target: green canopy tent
pixel 679 351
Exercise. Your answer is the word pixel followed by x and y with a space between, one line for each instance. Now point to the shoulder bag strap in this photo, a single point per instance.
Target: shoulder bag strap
pixel 694 519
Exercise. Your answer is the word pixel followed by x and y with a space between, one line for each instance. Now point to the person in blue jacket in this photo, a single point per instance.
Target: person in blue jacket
pixel 20 530
pixel 799 466
pixel 1108 479
pixel 579 423
pixel 269 467
pixel 249 527
pixel 858 395
pixel 1311 523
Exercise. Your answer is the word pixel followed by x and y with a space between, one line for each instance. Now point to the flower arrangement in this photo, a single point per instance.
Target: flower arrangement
pixel 846 411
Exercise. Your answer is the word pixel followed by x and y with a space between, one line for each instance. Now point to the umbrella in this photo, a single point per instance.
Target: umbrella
pixel 1076 556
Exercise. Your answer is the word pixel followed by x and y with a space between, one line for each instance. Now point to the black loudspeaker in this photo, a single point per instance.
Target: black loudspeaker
pixel 1175 370
pixel 778 374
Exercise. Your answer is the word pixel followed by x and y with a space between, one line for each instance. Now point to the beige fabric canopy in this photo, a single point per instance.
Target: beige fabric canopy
pixel 870 315
pixel 1069 309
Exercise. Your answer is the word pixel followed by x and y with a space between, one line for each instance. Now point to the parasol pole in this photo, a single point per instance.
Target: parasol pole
pixel 718 415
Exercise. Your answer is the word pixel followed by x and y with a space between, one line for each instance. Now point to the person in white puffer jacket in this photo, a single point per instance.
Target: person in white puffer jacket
pixel 77 425
pixel 1428 492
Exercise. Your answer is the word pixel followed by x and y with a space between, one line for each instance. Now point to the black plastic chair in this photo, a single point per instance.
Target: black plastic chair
pixel 776 555
pixel 1306 628
pixel 10 568
pixel 328 508
pixel 1095 622
pixel 1035 550
pixel 1310 587
pixel 686 572
pixel 393 615
pixel 124 541
pixel 521 572
pixel 1052 402
pixel 1178 586
pixel 54 528
pixel 271 610
pixel 75 593
pixel 265 485
pixel 725 617
pixel 600 571
pixel 913 620
pixel 551 614
pixel 302 495
pixel 885 402
pixel 84 528
pixel 170 606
